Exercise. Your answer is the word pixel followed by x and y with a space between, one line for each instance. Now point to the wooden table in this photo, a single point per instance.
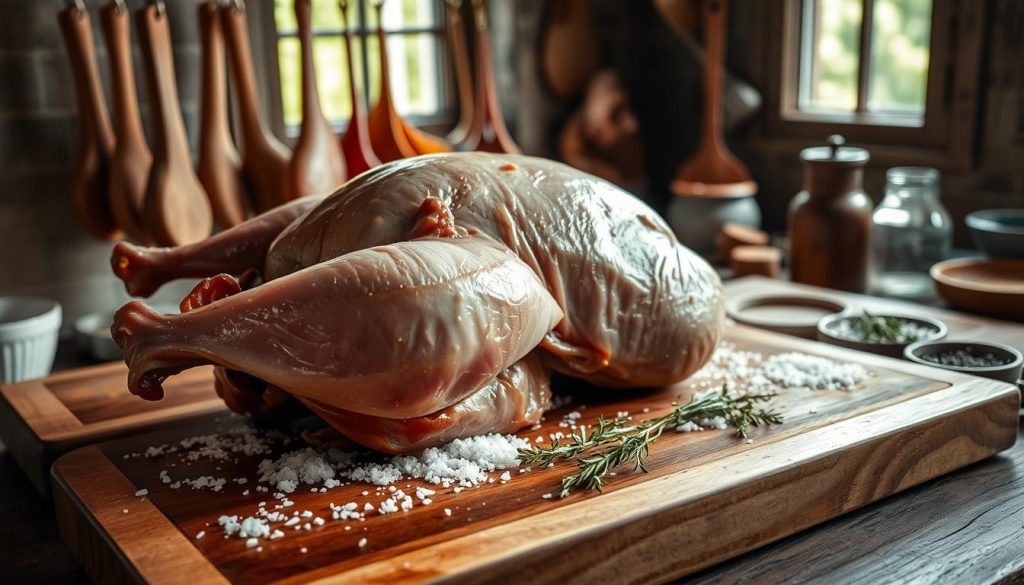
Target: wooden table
pixel 965 527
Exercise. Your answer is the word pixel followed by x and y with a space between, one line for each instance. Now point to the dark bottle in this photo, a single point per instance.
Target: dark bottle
pixel 830 220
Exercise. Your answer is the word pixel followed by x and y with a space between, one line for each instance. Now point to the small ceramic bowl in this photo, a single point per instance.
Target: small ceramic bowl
pixel 998 233
pixel 92 333
pixel 793 314
pixel 1009 371
pixel 829 332
pixel 29 327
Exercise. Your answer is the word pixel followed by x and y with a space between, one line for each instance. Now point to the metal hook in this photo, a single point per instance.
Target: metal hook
pixel 456 4
pixel 78 6
pixel 343 6
pixel 238 5
pixel 161 8
pixel 120 6
pixel 480 12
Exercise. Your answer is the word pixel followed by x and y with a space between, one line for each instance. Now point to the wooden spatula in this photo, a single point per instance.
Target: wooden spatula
pixel 569 52
pixel 318 166
pixel 463 72
pixel 265 160
pixel 129 167
pixel 488 132
pixel 95 136
pixel 177 211
pixel 359 154
pixel 220 167
pixel 391 136
pixel 713 171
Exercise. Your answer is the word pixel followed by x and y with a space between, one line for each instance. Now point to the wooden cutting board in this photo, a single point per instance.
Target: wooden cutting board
pixel 707 497
pixel 45 418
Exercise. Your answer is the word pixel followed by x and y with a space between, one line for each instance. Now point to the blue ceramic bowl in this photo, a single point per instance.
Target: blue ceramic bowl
pixel 998 233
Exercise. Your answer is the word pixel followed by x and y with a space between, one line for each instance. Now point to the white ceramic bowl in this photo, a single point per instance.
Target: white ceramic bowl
pixel 28 337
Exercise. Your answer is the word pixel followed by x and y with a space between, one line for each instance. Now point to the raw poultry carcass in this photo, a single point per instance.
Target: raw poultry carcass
pixel 429 299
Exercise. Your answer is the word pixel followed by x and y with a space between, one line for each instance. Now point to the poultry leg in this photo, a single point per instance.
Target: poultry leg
pixel 233 251
pixel 512 400
pixel 398 331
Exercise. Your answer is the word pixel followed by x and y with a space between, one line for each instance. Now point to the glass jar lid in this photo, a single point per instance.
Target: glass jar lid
pixel 835 152
pixel 912 176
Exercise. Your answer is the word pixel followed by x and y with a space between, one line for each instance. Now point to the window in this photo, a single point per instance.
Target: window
pixel 414 36
pixel 862 57
pixel 899 76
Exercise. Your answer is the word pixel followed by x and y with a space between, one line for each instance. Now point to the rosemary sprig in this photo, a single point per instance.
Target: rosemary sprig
pixel 630 444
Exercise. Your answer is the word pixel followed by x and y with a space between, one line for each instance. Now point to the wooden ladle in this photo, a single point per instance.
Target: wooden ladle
pixel 130 165
pixel 265 161
pixel 95 135
pixel 359 154
pixel 220 167
pixel 488 132
pixel 463 72
pixel 177 211
pixel 713 171
pixel 569 51
pixel 318 165
pixel 392 137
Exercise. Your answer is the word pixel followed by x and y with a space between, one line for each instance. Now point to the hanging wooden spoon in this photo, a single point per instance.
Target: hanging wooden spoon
pixel 359 155
pixel 95 136
pixel 713 171
pixel 488 132
pixel 318 166
pixel 391 136
pixel 129 167
pixel 569 51
pixel 265 160
pixel 463 73
pixel 220 167
pixel 177 211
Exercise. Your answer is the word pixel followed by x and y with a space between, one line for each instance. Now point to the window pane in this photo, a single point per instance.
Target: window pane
pixel 332 78
pixel 288 61
pixel 325 16
pixel 415 78
pixel 829 55
pixel 405 14
pixel 901 33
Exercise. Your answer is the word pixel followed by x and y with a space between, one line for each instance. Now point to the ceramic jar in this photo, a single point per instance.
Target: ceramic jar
pixel 830 220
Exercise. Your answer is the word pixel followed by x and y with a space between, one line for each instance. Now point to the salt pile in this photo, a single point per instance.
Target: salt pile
pixel 749 372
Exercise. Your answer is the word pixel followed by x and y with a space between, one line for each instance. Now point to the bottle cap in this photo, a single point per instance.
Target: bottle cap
pixel 836 152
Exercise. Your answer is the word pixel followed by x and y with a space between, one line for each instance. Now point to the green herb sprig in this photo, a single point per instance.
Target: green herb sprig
pixel 630 443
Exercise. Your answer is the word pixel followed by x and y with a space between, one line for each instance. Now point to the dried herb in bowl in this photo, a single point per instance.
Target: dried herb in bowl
pixel 868 328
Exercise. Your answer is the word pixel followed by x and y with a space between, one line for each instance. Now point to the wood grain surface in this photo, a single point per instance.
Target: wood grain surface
pixel 707 496
pixel 44 418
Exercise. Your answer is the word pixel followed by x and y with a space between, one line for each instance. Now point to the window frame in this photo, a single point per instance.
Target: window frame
pixel 945 139
pixel 265 37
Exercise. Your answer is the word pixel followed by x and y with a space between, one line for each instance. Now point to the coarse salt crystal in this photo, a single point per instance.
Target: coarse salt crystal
pixel 142 492
pixel 362 542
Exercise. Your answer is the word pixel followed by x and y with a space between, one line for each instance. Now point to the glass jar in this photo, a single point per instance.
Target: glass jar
pixel 910 232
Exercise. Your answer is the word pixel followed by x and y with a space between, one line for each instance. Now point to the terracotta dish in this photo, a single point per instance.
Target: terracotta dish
pixel 989 287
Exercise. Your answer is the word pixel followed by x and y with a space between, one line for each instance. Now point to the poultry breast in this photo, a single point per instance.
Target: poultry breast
pixel 429 299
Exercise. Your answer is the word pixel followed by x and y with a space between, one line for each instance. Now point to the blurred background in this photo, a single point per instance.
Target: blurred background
pixel 917 82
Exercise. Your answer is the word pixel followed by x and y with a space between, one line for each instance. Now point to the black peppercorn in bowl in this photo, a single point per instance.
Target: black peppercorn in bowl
pixel 988 360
